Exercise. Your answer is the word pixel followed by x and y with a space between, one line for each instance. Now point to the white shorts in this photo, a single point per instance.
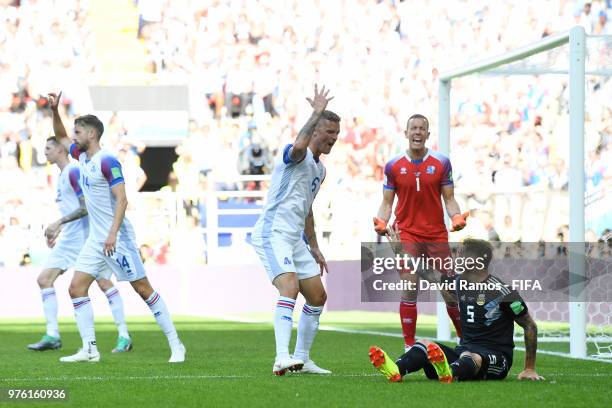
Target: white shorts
pixel 125 263
pixel 282 255
pixel 64 254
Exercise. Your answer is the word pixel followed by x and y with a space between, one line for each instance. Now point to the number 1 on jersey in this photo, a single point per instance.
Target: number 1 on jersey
pixel 418 184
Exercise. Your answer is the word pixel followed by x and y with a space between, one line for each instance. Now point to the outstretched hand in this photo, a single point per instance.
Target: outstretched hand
pixel 320 100
pixel 52 232
pixel 320 259
pixel 54 100
pixel 529 374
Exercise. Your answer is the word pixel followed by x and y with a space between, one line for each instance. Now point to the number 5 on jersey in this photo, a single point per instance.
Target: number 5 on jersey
pixel 315 183
pixel 470 312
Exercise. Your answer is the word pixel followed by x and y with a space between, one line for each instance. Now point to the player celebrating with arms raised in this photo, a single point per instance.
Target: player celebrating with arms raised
pixel 419 178
pixel 487 321
pixel 277 236
pixel 111 241
pixel 65 250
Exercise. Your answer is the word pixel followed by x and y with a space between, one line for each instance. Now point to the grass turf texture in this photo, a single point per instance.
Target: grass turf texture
pixel 230 363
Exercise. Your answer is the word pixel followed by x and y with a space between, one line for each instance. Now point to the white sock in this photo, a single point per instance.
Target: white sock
pixel 49 302
pixel 116 304
pixel 283 324
pixel 307 330
pixel 83 312
pixel 160 312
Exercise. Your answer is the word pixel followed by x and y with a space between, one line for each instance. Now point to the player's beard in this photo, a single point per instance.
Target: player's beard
pixel 82 146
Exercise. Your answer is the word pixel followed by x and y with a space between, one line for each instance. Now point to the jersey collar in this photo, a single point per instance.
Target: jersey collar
pixel 418 161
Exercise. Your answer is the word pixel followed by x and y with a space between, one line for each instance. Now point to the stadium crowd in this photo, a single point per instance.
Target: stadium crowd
pixel 249 65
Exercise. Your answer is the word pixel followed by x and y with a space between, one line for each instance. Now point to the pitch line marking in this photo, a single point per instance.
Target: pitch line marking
pixel 388 334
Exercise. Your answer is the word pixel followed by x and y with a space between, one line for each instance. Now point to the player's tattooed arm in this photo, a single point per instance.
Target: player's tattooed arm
pixel 58 126
pixel 53 230
pixel 318 103
pixel 531 344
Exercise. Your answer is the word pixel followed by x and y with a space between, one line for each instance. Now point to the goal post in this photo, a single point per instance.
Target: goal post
pixel 576 38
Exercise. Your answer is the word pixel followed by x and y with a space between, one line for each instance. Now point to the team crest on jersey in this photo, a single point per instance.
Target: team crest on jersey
pixel 403 170
pixel 480 300
pixel 430 170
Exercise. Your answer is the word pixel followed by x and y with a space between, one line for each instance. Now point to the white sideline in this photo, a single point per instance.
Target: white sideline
pixel 388 334
pixel 165 377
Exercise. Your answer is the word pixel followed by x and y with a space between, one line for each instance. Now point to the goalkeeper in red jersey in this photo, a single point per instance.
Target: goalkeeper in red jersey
pixel 420 178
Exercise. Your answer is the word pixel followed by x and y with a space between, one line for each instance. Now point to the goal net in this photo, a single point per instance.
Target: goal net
pixel 561 87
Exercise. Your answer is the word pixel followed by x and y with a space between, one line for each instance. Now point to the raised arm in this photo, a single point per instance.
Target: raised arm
pixel 531 346
pixel 58 125
pixel 318 103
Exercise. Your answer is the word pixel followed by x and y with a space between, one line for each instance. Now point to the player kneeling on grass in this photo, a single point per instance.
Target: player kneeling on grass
pixel 487 323
pixel 277 236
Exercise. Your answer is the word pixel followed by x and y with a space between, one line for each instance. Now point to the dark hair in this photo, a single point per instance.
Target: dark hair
pixel 481 248
pixel 91 121
pixel 331 116
pixel 418 116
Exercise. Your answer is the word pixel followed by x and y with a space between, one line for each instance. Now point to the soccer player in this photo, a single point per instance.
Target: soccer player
pixel 277 236
pixel 487 322
pixel 419 178
pixel 64 253
pixel 111 241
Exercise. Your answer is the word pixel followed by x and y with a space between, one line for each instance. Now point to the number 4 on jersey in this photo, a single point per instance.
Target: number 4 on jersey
pixel 124 264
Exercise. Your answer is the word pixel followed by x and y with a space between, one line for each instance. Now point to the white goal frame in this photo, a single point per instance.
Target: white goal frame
pixel 576 38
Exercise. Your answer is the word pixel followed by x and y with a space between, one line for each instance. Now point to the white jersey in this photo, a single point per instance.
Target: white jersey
pixel 67 198
pixel 293 188
pixel 98 174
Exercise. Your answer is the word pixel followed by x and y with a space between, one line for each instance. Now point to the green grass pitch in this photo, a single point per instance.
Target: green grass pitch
pixel 230 363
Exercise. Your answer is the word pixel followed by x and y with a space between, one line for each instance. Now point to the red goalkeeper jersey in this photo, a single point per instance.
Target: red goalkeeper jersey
pixel 418 186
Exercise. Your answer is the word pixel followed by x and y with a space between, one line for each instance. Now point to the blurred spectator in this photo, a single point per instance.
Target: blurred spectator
pixel 172 184
pixel 602 27
pixel 249 65
pixel 255 159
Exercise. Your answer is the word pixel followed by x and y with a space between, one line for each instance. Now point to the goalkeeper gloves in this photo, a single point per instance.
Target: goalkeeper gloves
pixel 380 226
pixel 459 221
